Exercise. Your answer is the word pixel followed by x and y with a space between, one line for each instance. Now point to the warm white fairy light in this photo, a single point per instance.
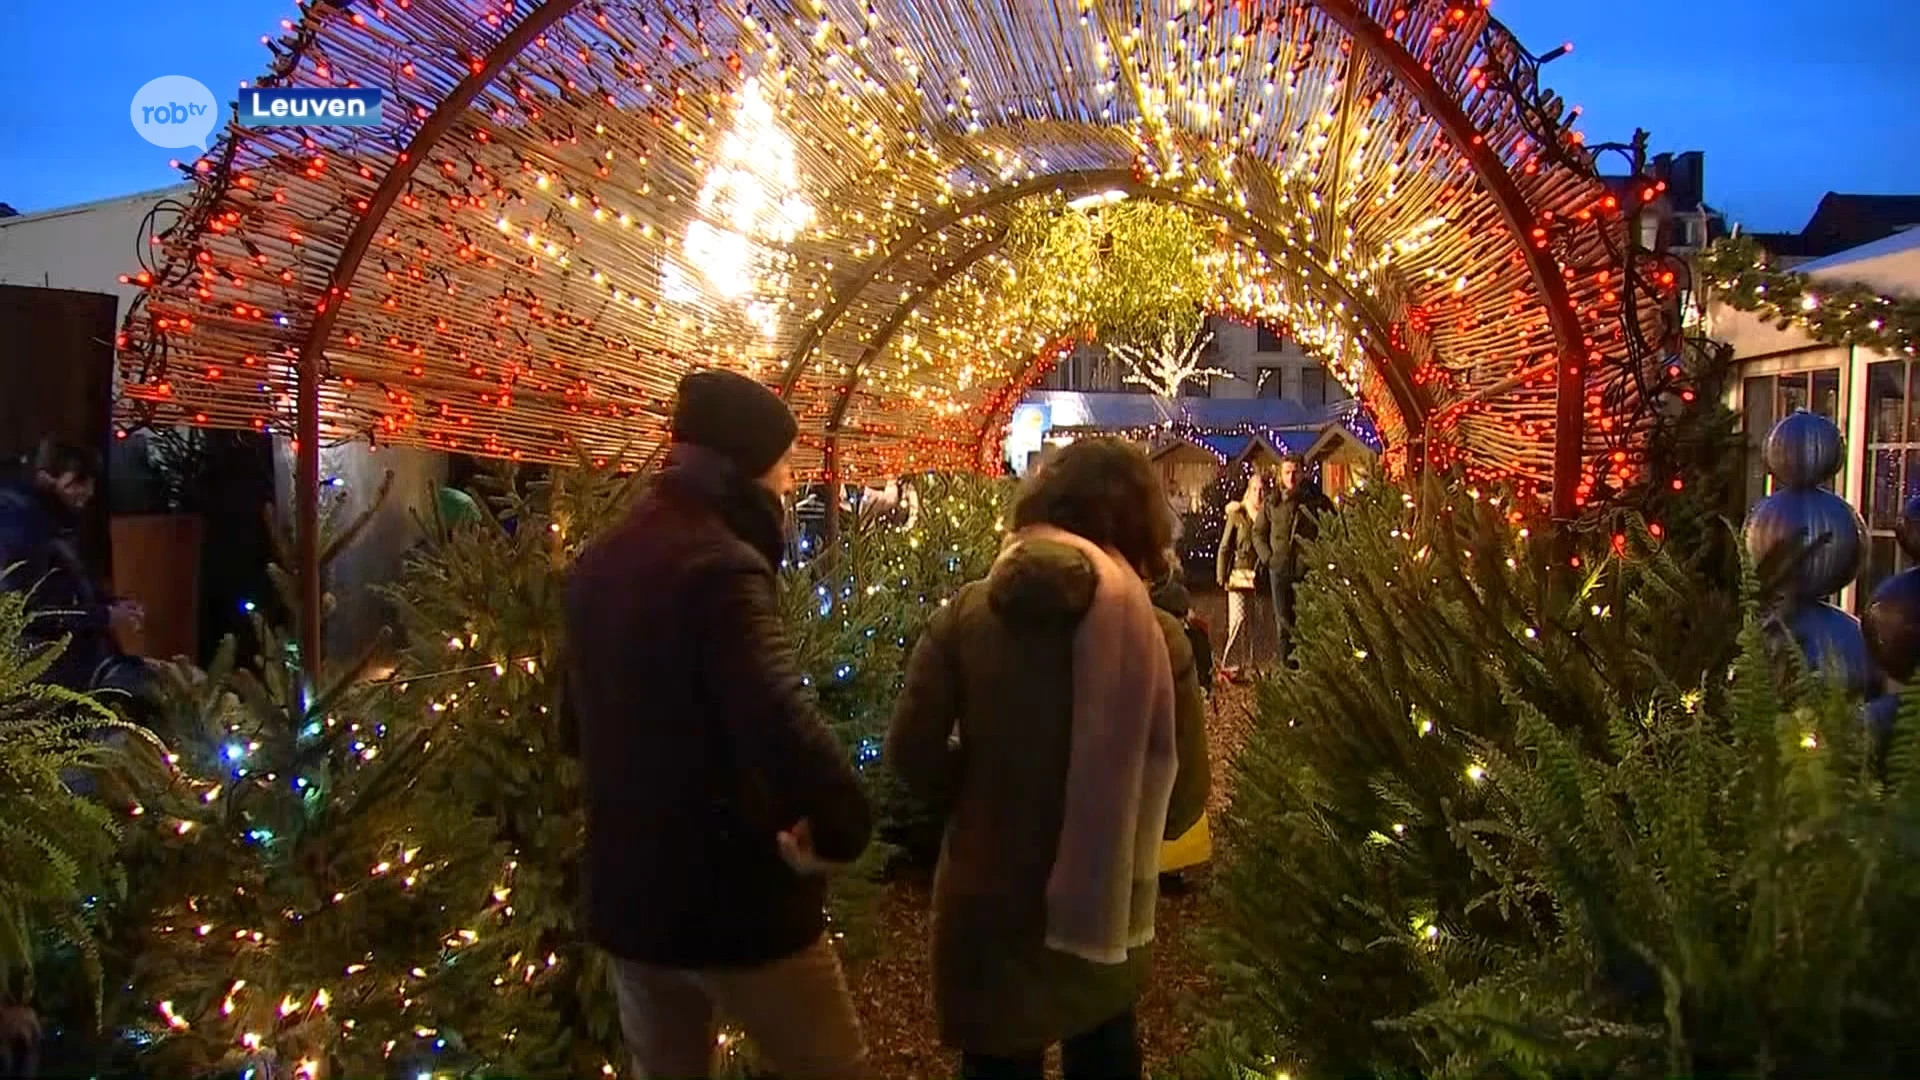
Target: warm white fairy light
pixel 751 199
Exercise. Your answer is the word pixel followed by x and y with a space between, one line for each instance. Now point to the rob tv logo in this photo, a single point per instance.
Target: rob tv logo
pixel 176 111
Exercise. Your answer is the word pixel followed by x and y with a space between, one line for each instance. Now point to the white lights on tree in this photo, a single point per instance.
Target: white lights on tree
pixel 1166 367
pixel 751 199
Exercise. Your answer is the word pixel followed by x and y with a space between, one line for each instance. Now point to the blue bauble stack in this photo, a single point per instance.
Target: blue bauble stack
pixel 1825 535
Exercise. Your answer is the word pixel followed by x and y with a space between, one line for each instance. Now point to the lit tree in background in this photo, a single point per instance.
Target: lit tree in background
pixel 1175 360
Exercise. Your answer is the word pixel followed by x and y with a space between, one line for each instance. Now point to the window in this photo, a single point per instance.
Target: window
pixel 1089 368
pixel 1267 339
pixel 1766 399
pixel 1313 386
pixel 1269 382
pixel 1893 465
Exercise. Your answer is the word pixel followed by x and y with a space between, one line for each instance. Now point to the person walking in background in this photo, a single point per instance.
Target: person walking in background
pixel 1193 847
pixel 1171 595
pixel 1059 716
pixel 1235 570
pixel 716 795
pixel 40 555
pixel 1290 515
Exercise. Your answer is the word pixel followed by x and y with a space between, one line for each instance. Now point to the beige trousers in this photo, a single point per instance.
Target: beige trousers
pixel 796 1011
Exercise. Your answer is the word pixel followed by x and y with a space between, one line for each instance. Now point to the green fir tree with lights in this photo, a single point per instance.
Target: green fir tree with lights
pixel 485 600
pixel 1534 806
pixel 857 610
pixel 1441 617
pixel 296 897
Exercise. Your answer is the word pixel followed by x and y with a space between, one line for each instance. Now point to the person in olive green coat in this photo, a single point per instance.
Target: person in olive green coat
pixel 987 725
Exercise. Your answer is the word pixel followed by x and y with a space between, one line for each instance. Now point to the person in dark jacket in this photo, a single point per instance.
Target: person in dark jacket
pixel 1058 714
pixel 40 555
pixel 1289 516
pixel 1171 595
pixel 716 796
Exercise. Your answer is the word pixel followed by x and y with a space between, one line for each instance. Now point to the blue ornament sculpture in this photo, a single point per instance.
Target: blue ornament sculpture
pixel 1831 641
pixel 1824 529
pixel 1892 621
pixel 1804 451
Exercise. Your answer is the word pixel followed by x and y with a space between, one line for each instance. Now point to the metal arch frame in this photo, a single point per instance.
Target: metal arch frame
pixel 307 467
pixel 1408 398
pixel 1569 416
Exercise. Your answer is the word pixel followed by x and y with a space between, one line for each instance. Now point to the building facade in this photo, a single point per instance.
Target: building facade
pixel 1872 397
pixel 1261 362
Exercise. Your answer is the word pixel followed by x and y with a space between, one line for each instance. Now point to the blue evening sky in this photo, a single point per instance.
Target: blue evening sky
pixel 1789 98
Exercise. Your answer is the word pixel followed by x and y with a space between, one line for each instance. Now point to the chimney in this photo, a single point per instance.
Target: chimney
pixel 1687 185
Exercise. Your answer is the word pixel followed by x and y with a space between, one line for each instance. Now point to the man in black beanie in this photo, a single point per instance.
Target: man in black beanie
pixel 716 796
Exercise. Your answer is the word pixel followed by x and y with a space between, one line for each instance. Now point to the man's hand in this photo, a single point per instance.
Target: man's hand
pixel 796 846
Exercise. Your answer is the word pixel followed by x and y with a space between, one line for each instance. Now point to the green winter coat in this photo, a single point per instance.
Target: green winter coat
pixel 983 727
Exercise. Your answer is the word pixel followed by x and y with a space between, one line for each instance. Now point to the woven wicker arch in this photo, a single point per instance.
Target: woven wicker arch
pixel 1408 404
pixel 507 264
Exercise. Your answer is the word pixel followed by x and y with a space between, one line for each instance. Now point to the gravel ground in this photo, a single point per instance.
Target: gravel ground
pixel 892 988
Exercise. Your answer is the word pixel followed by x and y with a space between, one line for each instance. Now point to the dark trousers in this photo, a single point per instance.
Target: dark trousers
pixel 1108 1052
pixel 1283 588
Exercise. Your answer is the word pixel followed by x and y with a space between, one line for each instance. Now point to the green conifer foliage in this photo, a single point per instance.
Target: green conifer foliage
pixel 482 608
pixel 295 895
pixel 857 611
pixel 1432 621
pixel 59 850
pixel 1728 891
pixel 485 601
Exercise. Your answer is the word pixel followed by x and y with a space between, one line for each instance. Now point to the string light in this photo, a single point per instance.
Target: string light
pixel 517 305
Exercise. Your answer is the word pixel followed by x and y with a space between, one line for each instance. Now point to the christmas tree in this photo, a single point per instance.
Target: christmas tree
pixel 1431 622
pixel 296 895
pixel 856 611
pixel 484 600
pixel 482 603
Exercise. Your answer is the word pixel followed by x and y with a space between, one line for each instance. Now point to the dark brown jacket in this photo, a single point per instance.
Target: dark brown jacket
pixel 986 719
pixel 698 741
pixel 1285 519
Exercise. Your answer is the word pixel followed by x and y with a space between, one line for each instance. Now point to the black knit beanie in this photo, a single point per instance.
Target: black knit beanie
pixel 734 416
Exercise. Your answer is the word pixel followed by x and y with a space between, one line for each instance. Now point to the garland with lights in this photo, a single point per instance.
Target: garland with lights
pixel 1737 270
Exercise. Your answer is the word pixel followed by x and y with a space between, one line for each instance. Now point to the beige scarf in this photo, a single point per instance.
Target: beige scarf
pixel 1106 873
